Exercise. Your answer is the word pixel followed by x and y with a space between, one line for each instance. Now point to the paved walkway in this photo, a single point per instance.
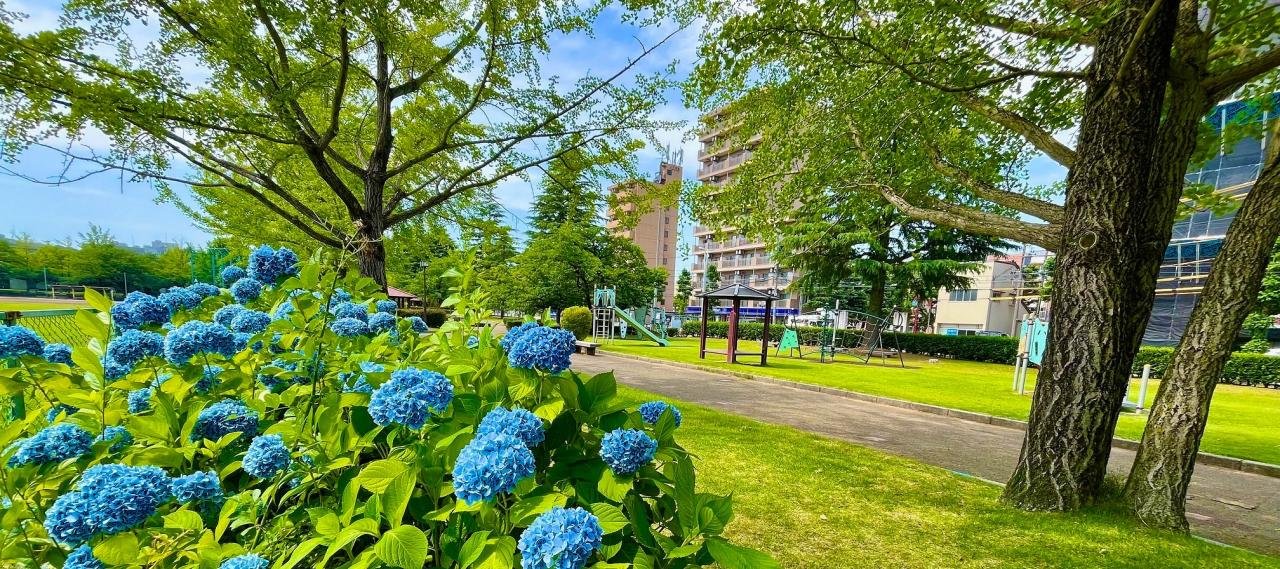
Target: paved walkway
pixel 1224 505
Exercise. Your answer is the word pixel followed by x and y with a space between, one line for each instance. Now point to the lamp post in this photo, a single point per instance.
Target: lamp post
pixel 422 300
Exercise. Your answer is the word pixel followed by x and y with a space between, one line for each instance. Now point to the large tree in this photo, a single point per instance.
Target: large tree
pixel 343 118
pixel 562 268
pixel 912 101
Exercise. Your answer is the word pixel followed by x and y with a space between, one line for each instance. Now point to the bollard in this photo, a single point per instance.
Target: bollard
pixel 1142 387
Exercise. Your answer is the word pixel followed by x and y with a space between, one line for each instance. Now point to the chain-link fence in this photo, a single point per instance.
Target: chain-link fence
pixel 52 325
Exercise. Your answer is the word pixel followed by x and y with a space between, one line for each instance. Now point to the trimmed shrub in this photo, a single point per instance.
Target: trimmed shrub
pixel 1242 368
pixel 576 319
pixel 997 349
pixel 435 317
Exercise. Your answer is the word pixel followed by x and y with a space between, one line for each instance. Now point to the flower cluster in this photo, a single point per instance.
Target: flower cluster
pixel 197 486
pixel 519 423
pixel 246 289
pixel 18 341
pixel 250 322
pixel 109 499
pixel 120 435
pixel 417 324
pixel 178 298
pixel 351 310
pixel 386 306
pixel 652 411
pixel 562 538
pixel 544 348
pixel 473 342
pixel 204 290
pixel 230 274
pixel 82 558
pixel 226 314
pixel 380 322
pixel 246 561
pixel 58 353
pixel 491 465
pixel 132 346
pixel 196 337
pixel 223 418
pixel 208 379
pixel 54 443
pixel 349 327
pixel 59 409
pixel 514 335
pixel 626 450
pixel 114 369
pixel 138 309
pixel 268 266
pixel 140 400
pixel 266 456
pixel 409 396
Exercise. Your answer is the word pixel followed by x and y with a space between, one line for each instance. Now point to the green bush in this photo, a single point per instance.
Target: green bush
pixel 435 317
pixel 1242 368
pixel 576 319
pixel 1257 345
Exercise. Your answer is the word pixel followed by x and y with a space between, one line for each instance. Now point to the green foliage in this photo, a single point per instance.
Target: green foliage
pixel 95 260
pixel 1242 368
pixel 684 291
pixel 435 317
pixel 711 280
pixel 577 319
pixel 562 268
pixel 1257 324
pixel 997 349
pixel 1269 294
pixel 1258 345
pixel 355 494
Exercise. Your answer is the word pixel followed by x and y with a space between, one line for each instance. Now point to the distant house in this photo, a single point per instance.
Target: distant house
pixel 404 299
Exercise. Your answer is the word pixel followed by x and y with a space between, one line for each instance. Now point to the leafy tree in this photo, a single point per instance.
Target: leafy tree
pixel 711 280
pixel 570 190
pixel 564 267
pixel 343 120
pixel 936 107
pixel 1269 294
pixel 420 253
pixel 684 291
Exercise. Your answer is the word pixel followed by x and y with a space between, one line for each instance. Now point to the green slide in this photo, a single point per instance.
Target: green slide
pixel 638 326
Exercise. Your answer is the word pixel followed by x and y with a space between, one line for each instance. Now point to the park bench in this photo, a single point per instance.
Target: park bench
pixel 590 347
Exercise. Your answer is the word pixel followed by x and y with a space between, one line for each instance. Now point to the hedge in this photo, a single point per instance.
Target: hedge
pixel 434 317
pixel 1241 369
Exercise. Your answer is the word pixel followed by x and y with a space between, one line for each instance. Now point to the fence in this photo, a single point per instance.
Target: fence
pixel 52 325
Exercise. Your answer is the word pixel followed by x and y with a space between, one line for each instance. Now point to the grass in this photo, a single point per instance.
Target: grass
pixel 816 502
pixel 1244 422
pixel 10 303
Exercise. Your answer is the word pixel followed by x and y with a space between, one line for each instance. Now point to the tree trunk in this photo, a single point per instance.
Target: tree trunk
pixel 1106 265
pixel 1157 486
pixel 371 252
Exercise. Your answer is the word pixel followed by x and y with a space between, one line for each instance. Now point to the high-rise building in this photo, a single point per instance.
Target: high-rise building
pixel 657 231
pixel 737 259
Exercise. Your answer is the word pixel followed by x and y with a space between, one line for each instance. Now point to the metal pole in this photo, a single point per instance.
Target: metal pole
pixel 1142 387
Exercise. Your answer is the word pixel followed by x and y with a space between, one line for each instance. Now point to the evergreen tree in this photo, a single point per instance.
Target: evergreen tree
pixel 684 290
pixel 569 193
pixel 711 280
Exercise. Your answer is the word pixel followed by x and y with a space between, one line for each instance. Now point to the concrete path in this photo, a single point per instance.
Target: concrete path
pixel 1224 505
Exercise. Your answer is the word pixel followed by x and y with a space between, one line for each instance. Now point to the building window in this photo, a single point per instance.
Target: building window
pixel 967 332
pixel 963 295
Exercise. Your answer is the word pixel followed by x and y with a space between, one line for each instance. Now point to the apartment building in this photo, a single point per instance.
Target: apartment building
pixel 739 260
pixel 657 232
pixel 989 305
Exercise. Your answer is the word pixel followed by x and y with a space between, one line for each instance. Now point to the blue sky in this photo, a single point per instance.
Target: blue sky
pixel 129 209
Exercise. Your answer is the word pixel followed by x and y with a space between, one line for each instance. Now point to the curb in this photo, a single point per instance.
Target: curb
pixel 1227 462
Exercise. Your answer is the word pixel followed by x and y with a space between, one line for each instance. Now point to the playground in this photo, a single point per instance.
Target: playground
pixel 1244 422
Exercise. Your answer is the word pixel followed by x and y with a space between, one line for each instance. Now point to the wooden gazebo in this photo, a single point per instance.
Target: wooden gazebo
pixel 736 293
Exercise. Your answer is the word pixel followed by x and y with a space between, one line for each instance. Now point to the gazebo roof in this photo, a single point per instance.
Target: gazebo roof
pixel 739 292
pixel 394 292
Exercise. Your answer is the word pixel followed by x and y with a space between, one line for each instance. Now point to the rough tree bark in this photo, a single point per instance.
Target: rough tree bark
pixel 1157 486
pixel 1106 264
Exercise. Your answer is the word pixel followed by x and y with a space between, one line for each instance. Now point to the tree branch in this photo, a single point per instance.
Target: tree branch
pixel 415 83
pixel 1033 29
pixel 1049 212
pixel 1015 122
pixel 975 221
pixel 1223 83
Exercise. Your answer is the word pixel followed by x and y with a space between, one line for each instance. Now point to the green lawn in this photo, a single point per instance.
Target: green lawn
pixel 816 502
pixel 12 303
pixel 1244 421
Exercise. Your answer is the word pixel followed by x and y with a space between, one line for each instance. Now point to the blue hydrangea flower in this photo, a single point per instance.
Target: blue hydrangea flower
pixel 349 327
pixel 17 341
pixel 339 296
pixel 562 538
pixel 54 411
pixel 223 418
pixel 386 306
pixel 250 322
pixel 418 324
pixel 196 337
pixel 626 450
pixel 519 423
pixel 82 558
pixel 227 313
pixel 125 316
pixel 473 342
pixel 58 353
pixel 142 308
pixel 120 435
pixel 208 379
pixel 140 400
pixel 109 499
pixel 284 310
pixel 132 346
pixel 266 456
pixel 246 561
pixel 246 289
pixel 284 263
pixel 230 274
pixel 544 348
pixel 54 443
pixel 204 290
pixel 513 335
pixel 197 486
pixel 261 265
pixel 652 411
pixel 491 465
pixel 380 322
pixel 178 298
pixel 114 369
pixel 351 310
pixel 409 396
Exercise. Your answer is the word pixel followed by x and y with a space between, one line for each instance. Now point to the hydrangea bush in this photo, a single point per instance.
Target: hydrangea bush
pixel 329 435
